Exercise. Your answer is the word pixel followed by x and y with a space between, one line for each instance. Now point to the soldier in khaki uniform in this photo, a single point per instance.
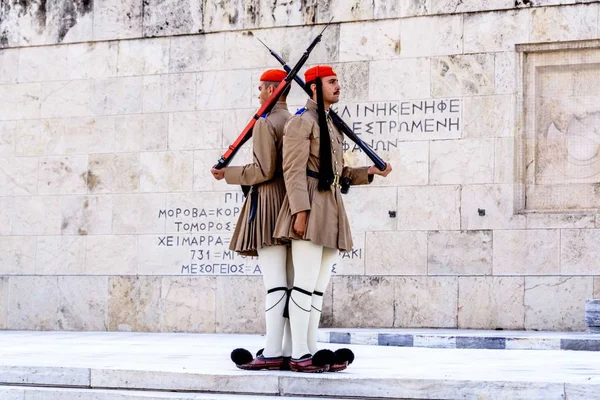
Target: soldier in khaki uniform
pixel 313 215
pixel 253 234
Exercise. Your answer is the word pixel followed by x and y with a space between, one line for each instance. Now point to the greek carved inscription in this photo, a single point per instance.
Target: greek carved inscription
pixel 381 125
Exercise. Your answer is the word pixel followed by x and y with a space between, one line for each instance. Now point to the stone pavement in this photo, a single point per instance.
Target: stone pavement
pixel 132 366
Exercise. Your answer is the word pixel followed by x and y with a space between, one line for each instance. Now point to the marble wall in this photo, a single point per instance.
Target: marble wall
pixel 112 112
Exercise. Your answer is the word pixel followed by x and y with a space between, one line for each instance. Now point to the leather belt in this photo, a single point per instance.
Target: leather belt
pixel 313 174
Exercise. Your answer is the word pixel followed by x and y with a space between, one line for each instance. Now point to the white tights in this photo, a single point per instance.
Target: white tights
pixel 275 263
pixel 312 270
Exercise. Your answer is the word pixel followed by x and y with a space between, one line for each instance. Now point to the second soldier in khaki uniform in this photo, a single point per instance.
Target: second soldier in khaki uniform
pixel 313 216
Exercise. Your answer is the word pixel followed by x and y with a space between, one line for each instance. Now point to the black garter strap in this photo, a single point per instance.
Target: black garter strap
pixel 306 292
pixel 317 294
pixel 286 311
pixel 277 289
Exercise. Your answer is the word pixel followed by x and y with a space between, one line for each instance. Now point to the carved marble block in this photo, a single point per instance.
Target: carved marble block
pixel 561 135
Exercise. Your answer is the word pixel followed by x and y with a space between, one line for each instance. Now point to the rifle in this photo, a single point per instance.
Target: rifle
pixel 336 119
pixel 268 105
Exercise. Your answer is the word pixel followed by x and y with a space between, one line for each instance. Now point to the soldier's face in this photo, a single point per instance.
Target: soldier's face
pixel 264 92
pixel 331 89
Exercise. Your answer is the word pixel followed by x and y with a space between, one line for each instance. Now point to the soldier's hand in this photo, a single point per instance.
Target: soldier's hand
pixel 373 170
pixel 300 223
pixel 218 173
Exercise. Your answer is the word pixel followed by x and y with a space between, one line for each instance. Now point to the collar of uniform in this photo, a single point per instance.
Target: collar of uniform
pixel 312 105
pixel 280 105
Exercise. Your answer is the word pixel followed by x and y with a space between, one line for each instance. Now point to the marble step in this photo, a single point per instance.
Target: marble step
pixel 156 385
pixel 45 393
pixel 467 339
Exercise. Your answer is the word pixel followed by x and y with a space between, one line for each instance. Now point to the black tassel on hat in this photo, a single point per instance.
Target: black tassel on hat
pixel 325 169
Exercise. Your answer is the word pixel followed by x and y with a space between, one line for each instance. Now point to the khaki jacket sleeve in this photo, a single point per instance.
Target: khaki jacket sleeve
pixel 358 176
pixel 264 150
pixel 296 150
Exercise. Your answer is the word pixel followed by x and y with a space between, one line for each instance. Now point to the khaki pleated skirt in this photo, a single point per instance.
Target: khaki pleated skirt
pixel 327 223
pixel 250 236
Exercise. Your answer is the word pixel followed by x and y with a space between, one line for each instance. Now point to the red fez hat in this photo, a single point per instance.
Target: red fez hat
pixel 273 75
pixel 319 71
